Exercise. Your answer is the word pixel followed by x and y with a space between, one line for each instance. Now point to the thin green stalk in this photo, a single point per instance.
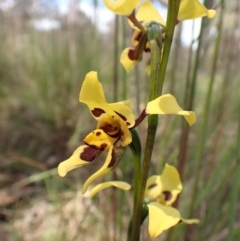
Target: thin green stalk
pixel 114 194
pixel 203 129
pixel 158 70
pixel 152 127
pixel 122 44
pixel 136 149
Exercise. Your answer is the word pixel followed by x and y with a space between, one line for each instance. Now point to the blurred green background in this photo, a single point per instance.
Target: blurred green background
pixel 46 49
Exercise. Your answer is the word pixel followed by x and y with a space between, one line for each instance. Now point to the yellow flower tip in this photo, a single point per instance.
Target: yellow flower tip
pixel 211 13
pixel 191 9
pixel 147 13
pixel 118 184
pixel 167 104
pixel 161 218
pixel 191 118
pixel 62 169
pixel 122 7
pixel 190 221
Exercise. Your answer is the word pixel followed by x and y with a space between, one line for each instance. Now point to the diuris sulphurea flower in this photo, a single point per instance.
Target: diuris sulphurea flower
pixel 114 122
pixel 146 13
pixel 160 193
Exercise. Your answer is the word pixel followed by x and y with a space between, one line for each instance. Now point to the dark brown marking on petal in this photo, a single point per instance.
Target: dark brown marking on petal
pixel 89 154
pixel 128 123
pixel 98 133
pixel 108 128
pixel 114 135
pixel 113 160
pixel 147 50
pixel 103 146
pixel 97 112
pixel 132 54
pixel 168 195
pixel 122 116
pixel 116 156
pixel 152 186
pixel 99 148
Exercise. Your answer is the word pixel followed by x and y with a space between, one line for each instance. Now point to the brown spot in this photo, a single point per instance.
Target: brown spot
pixel 113 160
pixel 102 146
pixel 114 135
pixel 97 112
pixel 108 128
pixel 89 154
pixel 128 123
pixel 116 156
pixel 132 54
pixel 152 186
pixel 147 50
pixel 122 116
pixel 168 195
pixel 98 133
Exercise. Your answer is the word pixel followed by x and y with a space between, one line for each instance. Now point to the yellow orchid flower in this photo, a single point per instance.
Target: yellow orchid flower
pixel 189 9
pixel 161 192
pixel 114 122
pixel 192 9
pixel 122 7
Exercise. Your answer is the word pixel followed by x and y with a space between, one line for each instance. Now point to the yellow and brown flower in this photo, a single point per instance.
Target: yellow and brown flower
pixel 114 122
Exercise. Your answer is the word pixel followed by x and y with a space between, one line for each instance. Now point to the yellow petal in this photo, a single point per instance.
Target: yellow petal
pixel 113 157
pixel 164 188
pixel 110 125
pixel 171 183
pixel 147 13
pixel 153 188
pixel 125 135
pixel 115 128
pixel 161 218
pixel 82 156
pixel 99 140
pixel 124 102
pixel 191 9
pixel 190 221
pixel 92 95
pixel 125 112
pixel 121 185
pixel 127 63
pixel 167 104
pixel 122 7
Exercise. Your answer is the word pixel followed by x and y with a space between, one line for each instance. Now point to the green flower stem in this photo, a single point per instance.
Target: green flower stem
pixel 158 70
pixel 203 130
pixel 122 44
